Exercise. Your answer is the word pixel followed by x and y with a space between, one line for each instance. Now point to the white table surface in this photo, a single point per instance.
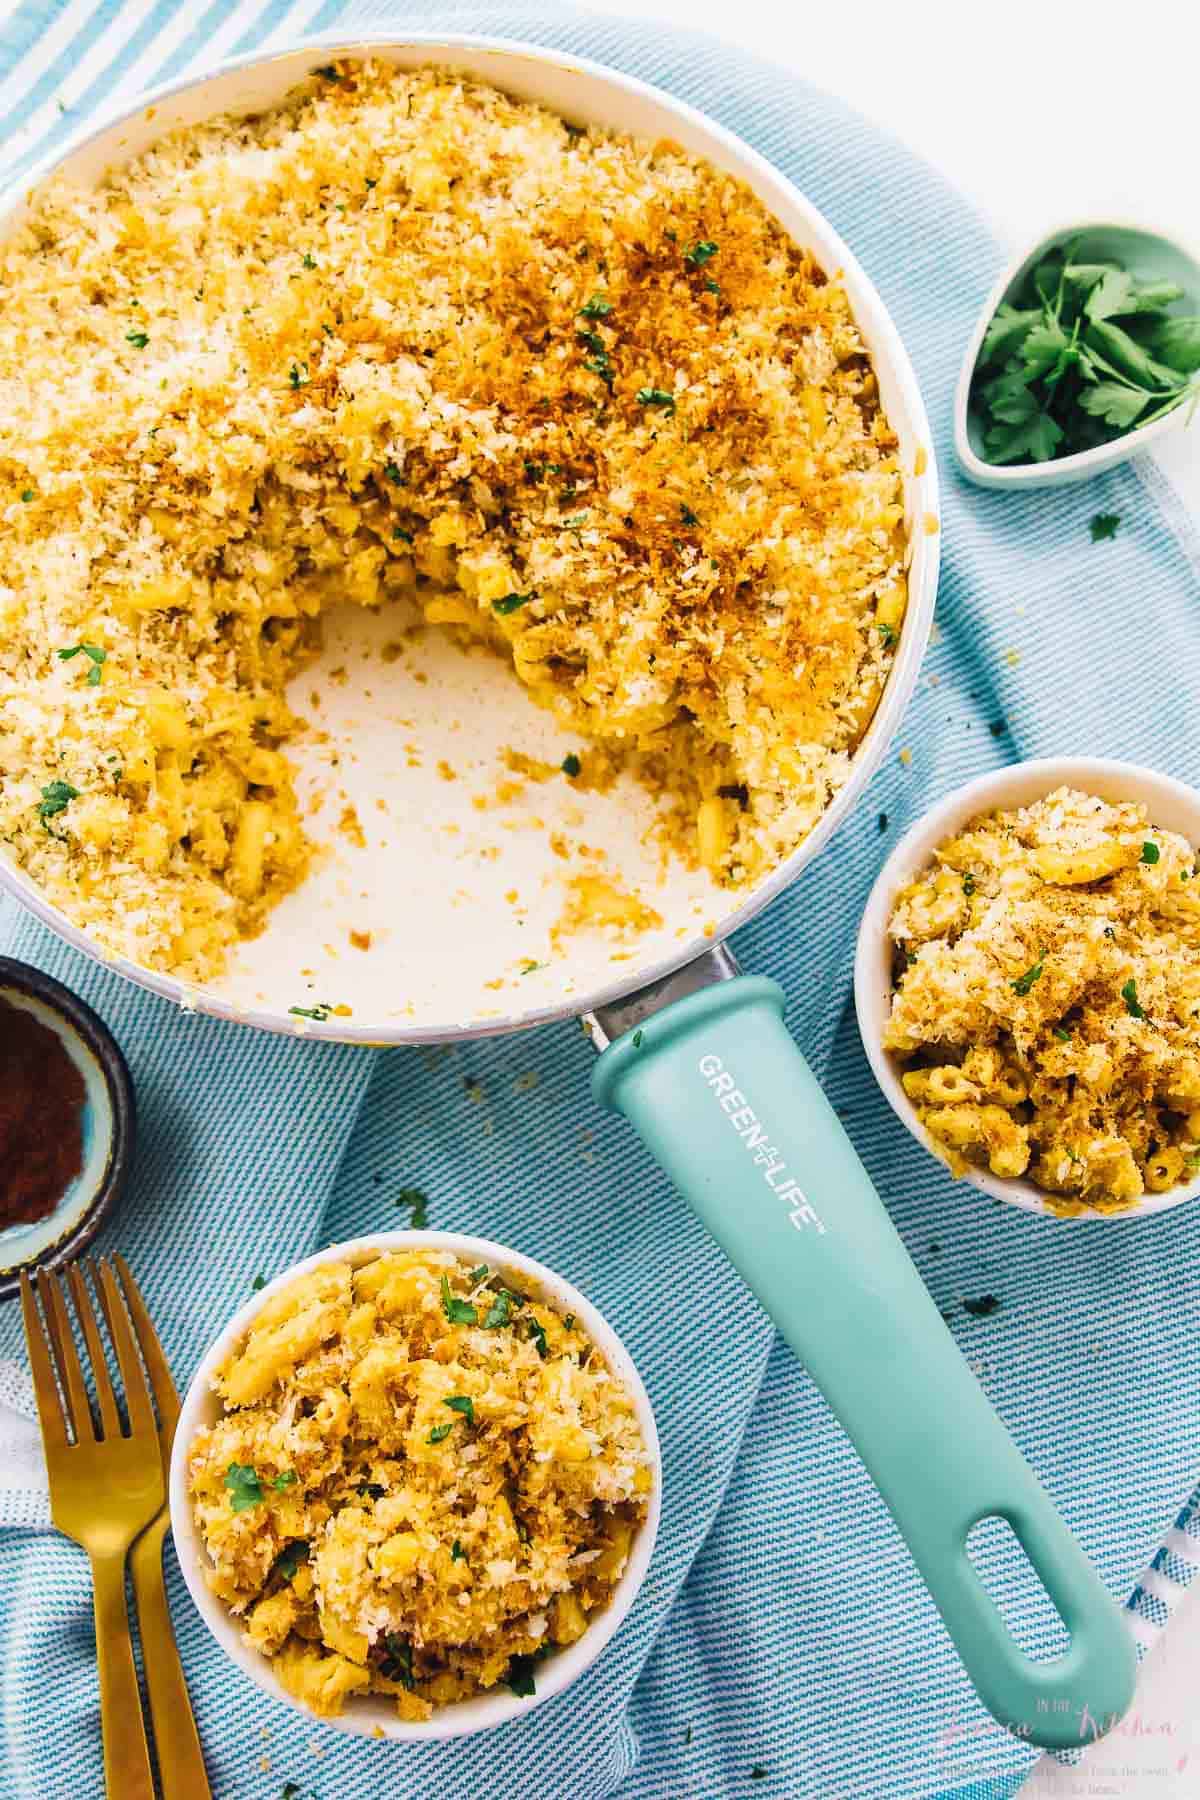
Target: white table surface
pixel 1042 112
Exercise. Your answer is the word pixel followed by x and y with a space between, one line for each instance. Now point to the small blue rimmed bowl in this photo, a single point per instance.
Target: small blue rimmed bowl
pixel 1148 254
pixel 108 1126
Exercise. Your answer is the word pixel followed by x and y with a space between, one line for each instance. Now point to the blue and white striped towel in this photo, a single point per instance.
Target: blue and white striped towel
pixel 782 1645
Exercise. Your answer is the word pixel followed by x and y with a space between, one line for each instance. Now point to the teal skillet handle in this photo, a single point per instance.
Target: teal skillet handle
pixel 722 1097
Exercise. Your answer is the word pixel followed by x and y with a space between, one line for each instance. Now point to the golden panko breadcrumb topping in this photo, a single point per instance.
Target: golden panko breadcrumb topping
pixel 401 334
pixel 1047 1000
pixel 424 1479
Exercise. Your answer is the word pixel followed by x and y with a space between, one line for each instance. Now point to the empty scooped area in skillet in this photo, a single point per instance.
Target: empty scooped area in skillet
pixel 454 852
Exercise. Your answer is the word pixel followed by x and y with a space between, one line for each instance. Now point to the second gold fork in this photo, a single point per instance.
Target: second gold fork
pixel 176 1740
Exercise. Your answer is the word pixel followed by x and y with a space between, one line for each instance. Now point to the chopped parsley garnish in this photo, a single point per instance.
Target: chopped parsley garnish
pixel 459 1312
pixel 138 339
pixel 979 1309
pixel 260 1281
pixel 534 470
pixel 571 764
pixel 888 635
pixel 601 365
pixel 1024 983
pixel 417 1204
pixel 372 1490
pixel 26 496
pixel 597 308
pixel 56 797
pixel 398 531
pixel 95 655
pixel 594 342
pixel 245 1489
pixel 290 1559
pixel 320 1012
pixel 296 379
pixel 636 1039
pixel 969 883
pixel 519 1676
pixel 687 516
pixel 1150 851
pixel 439 1432
pixel 711 286
pixel 396 1663
pixel 569 1322
pixel 998 727
pixel 309 262
pixel 758 1773
pixel 288 1478
pixel 700 253
pixel 463 1404
pixel 393 472
pixel 883 821
pixel 531 967
pixel 1062 1034
pixel 1132 1005
pixel 537 1331
pixel 652 396
pixel 457 1553
pixel 1104 525
pixel 329 73
pixel 477 1274
pixel 510 603
pixel 372 181
pixel 500 1311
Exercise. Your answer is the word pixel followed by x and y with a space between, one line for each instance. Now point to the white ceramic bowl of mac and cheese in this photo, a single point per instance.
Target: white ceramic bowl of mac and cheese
pixel 204 1528
pixel 1170 805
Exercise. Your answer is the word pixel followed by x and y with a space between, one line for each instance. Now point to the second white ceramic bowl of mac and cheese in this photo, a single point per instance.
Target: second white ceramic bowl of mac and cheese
pixel 1170 806
pixel 255 1496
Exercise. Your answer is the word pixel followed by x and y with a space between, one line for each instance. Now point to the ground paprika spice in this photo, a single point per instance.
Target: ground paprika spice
pixel 41 1117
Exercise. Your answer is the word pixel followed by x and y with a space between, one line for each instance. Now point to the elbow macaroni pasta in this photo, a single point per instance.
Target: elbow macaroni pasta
pixel 1046 1008
pixel 420 1473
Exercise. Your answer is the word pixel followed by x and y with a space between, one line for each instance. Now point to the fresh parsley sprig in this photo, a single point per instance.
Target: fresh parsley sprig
pixel 95 655
pixel 1083 353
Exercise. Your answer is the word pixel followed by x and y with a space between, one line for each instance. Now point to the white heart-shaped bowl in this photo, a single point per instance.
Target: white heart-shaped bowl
pixel 374 1715
pixel 1143 252
pixel 1170 804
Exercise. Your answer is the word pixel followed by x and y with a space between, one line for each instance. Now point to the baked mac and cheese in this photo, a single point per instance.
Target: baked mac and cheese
pixel 424 1479
pixel 571 393
pixel 1047 1000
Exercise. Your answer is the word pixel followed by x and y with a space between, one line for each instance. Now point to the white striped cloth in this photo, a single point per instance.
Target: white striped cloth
pixel 782 1645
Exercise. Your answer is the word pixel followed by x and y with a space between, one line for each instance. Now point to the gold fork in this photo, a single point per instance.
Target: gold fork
pixel 180 1759
pixel 104 1488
